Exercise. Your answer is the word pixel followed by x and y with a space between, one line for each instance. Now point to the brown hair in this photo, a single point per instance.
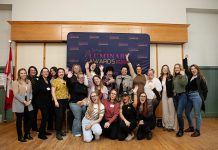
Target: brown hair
pixel 145 105
pixel 80 69
pixel 101 84
pixel 116 99
pixel 168 73
pixel 201 76
pixel 180 66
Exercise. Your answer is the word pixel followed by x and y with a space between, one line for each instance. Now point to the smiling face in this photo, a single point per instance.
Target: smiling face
pixel 61 73
pixel 110 74
pixel 194 71
pixel 165 70
pixel 94 98
pixel 80 78
pixel 97 80
pixel 32 72
pixel 92 67
pixel 113 95
pixel 125 99
pixel 124 71
pixel 142 98
pixel 139 70
pixel 150 74
pixel 45 73
pixel 53 73
pixel 76 69
pixel 22 74
pixel 177 68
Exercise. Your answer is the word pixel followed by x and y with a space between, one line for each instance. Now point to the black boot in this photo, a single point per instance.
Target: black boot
pixel 21 139
pixel 179 133
pixel 42 136
pixel 28 137
pixel 190 129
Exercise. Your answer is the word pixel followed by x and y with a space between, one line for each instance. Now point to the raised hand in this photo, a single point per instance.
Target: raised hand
pixel 127 57
pixel 87 65
pixel 101 67
pixel 135 89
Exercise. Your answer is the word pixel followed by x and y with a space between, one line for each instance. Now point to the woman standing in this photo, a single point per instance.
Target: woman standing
pixel 109 78
pixel 60 97
pixel 197 93
pixel 22 105
pixel 179 99
pixel 138 78
pixel 92 119
pixel 110 121
pixel 32 76
pixel 53 73
pixel 44 101
pixel 169 119
pixel 128 116
pixel 144 117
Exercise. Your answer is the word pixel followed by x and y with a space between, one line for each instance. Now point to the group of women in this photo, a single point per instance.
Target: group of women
pixel 108 105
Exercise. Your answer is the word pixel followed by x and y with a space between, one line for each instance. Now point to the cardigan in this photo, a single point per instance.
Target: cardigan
pixel 169 86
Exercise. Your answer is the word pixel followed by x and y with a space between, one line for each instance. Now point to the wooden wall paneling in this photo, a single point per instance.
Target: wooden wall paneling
pixel 36 32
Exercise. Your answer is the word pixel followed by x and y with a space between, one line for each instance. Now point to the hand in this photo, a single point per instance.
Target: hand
pixel 182 72
pixel 87 127
pixel 151 85
pixel 141 122
pixel 25 103
pixel 101 67
pixel 127 123
pixel 56 104
pixel 107 125
pixel 66 70
pixel 135 89
pixel 127 57
pixel 29 102
pixel 87 65
pixel 70 74
pixel 80 103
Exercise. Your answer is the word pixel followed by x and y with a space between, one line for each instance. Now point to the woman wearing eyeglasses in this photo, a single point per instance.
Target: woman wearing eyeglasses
pixel 92 119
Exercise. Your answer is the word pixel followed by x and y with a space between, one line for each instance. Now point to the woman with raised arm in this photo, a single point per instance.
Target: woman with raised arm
pixel 92 119
pixel 138 78
pixel 196 93
pixel 128 120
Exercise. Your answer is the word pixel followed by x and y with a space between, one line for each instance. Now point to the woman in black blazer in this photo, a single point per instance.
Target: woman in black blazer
pixel 44 101
pixel 169 118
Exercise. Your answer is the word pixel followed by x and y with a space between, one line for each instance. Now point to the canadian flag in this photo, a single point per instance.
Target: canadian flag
pixel 8 70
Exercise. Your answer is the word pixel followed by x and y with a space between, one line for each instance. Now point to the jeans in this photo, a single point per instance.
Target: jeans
pixel 180 102
pixel 194 101
pixel 78 112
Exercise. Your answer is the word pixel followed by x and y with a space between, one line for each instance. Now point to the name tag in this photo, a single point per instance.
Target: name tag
pixel 48 89
pixel 111 105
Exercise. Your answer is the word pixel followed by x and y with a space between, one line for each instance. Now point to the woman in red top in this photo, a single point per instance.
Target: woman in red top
pixel 110 121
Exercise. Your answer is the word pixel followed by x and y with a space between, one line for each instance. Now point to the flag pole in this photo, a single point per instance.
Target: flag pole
pixel 5 115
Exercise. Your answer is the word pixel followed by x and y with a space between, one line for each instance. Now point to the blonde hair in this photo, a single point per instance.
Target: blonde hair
pixel 19 77
pixel 91 107
pixel 180 66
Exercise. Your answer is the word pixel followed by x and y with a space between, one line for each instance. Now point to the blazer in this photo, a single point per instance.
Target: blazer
pixel 20 90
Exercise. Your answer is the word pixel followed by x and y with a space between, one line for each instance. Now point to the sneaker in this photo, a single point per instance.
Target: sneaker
pixel 130 137
pixel 196 133
pixel 97 137
pixel 77 135
pixel 59 137
pixel 190 129
pixel 179 133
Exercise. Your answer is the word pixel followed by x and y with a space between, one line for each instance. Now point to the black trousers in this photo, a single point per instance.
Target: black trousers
pixel 35 112
pixel 112 131
pixel 155 103
pixel 26 118
pixel 144 129
pixel 44 115
pixel 51 116
pixel 124 130
pixel 60 113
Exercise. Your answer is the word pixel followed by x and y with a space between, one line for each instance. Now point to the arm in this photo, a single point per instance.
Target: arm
pixel 135 98
pixel 132 72
pixel 87 70
pixel 53 89
pixel 17 95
